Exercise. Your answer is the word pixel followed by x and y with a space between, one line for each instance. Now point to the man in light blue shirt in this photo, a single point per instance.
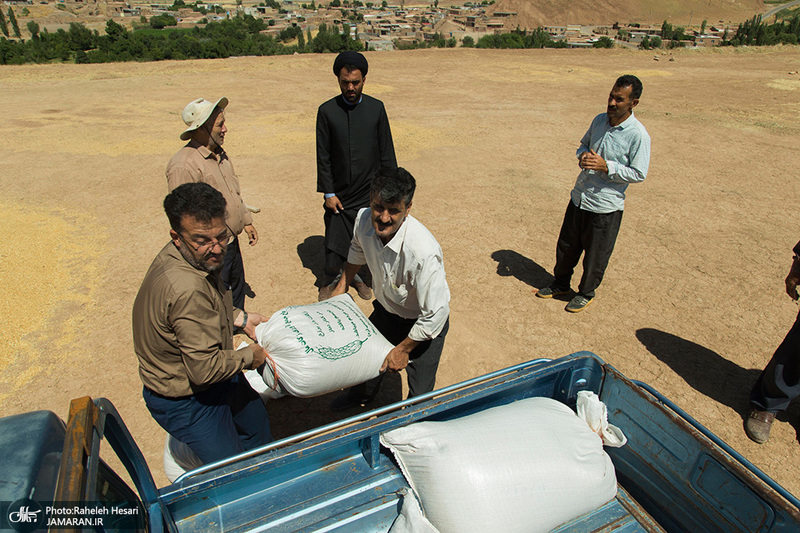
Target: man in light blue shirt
pixel 614 153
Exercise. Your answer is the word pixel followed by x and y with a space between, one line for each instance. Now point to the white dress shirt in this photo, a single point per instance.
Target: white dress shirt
pixel 407 273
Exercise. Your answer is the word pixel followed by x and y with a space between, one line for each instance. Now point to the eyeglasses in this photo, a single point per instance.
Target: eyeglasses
pixel 209 244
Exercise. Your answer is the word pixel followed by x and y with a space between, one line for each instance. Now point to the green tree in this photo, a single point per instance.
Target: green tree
pixel 655 42
pixel 438 41
pixel 254 25
pixel 162 21
pixel 33 28
pixel 666 30
pixel 384 5
pixel 603 42
pixel 14 25
pixel 115 31
pixel 703 27
pixel 79 37
pixel 468 42
pixel 645 44
pixel 301 41
pixel 3 24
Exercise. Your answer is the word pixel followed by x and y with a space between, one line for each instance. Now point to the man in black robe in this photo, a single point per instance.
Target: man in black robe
pixel 353 141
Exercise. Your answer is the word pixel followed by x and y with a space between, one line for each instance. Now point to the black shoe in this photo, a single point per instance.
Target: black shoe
pixel 758 424
pixel 552 290
pixel 578 303
pixel 349 400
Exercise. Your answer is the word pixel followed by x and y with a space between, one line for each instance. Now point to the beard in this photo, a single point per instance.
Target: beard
pixel 199 265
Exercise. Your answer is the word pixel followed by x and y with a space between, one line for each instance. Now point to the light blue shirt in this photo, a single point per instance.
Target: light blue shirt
pixel 626 150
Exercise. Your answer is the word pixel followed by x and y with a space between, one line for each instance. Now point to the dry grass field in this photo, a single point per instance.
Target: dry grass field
pixel 692 302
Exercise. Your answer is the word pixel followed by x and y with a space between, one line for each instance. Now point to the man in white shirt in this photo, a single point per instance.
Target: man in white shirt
pixel 614 153
pixel 412 299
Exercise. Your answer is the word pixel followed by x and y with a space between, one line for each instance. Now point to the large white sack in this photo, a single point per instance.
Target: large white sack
pixel 178 458
pixel 321 347
pixel 528 466
pixel 411 519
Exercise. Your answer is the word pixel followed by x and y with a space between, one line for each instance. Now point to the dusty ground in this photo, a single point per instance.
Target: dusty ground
pixel 693 299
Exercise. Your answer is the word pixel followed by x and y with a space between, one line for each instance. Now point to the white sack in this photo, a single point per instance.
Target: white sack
pixel 528 466
pixel 321 347
pixel 178 458
pixel 594 412
pixel 411 519
pixel 255 380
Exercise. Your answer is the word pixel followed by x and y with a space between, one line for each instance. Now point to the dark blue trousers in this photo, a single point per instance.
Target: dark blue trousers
pixel 779 382
pixel 223 420
pixel 233 273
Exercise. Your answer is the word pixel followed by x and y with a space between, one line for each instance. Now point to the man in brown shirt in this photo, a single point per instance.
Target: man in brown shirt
pixel 183 322
pixel 203 160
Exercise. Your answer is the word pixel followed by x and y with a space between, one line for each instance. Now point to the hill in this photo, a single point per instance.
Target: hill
pixel 534 13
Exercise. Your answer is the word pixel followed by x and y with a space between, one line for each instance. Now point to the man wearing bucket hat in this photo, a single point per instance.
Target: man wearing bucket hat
pixel 353 141
pixel 203 160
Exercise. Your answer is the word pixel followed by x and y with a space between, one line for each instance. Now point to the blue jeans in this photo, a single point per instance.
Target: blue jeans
pixel 225 419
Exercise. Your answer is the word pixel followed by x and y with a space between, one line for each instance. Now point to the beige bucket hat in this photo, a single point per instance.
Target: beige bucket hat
pixel 197 112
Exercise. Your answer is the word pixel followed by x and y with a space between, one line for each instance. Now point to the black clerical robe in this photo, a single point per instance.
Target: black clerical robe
pixel 353 142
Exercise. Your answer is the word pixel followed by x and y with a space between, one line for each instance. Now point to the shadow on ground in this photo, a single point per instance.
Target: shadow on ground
pixel 709 373
pixel 290 416
pixel 311 253
pixel 510 263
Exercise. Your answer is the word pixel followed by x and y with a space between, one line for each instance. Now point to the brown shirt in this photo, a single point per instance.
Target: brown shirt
pixel 194 163
pixel 183 328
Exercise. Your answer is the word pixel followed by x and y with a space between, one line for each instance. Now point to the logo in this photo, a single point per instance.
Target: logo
pixel 25 515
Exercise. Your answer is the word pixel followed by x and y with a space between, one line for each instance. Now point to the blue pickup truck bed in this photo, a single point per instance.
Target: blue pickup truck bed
pixel 673 475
